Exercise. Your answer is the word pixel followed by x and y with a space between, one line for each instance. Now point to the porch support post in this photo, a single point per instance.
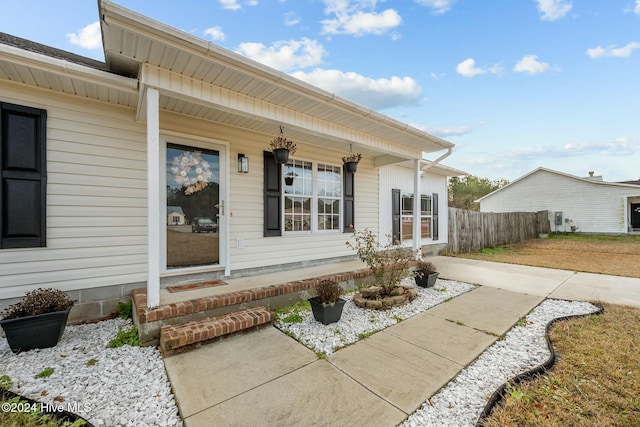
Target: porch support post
pixel 417 225
pixel 153 197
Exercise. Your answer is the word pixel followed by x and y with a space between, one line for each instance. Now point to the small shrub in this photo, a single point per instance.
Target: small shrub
pixel 36 302
pixel 5 382
pixel 328 291
pixel 389 264
pixel 125 337
pixel 292 318
pixel 125 310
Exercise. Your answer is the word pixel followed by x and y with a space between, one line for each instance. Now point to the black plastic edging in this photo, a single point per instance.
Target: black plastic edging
pixel 61 415
pixel 498 395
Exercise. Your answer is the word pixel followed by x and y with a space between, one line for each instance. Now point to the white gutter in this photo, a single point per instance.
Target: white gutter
pixel 438 160
pixel 68 69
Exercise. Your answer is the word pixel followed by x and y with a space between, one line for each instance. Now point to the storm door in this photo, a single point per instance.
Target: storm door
pixel 193 206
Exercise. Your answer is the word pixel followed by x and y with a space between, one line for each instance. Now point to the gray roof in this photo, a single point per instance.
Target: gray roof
pixel 52 52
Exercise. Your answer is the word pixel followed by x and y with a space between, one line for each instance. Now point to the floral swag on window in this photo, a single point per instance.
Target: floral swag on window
pixel 191 171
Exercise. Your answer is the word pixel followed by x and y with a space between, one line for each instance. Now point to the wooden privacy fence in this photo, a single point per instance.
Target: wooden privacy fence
pixel 471 231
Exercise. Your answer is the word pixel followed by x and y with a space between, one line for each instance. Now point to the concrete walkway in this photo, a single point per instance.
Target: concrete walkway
pixel 268 379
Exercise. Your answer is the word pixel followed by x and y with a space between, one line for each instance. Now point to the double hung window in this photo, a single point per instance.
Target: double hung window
pixel 312 197
pixel 407 216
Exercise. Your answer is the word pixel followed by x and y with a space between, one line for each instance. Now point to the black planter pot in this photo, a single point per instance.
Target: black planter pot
pixel 281 155
pixel 351 166
pixel 426 280
pixel 326 313
pixel 288 180
pixel 40 331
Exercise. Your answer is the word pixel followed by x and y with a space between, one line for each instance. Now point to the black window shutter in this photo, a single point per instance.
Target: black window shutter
pixel 23 176
pixel 272 196
pixel 434 213
pixel 349 200
pixel 395 207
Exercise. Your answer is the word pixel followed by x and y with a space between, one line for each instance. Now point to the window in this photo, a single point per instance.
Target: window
pixel 23 189
pixel 329 196
pixel 298 192
pixel 407 216
pixel 312 197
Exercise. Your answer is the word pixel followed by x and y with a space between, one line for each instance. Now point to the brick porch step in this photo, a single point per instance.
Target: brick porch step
pixel 178 338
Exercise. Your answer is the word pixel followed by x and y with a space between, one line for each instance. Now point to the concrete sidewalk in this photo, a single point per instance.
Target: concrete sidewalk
pixel 540 281
pixel 268 379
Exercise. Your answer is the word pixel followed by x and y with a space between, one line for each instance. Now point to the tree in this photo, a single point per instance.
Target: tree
pixel 463 192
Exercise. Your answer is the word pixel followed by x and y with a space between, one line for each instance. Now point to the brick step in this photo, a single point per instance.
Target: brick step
pixel 187 336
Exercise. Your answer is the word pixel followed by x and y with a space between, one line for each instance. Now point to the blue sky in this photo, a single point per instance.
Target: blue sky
pixel 515 84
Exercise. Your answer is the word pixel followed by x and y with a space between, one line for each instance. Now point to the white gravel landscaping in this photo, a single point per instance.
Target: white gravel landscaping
pixel 125 386
pixel 128 386
pixel 357 322
pixel 461 402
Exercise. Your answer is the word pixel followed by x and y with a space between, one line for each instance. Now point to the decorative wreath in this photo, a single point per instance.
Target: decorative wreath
pixel 191 172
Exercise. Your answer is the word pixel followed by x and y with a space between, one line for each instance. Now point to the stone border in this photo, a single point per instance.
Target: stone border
pixel 499 394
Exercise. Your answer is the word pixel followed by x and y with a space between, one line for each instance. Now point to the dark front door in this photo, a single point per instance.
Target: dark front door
pixel 635 215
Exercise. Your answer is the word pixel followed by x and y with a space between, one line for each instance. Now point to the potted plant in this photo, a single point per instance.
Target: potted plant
pixel 351 162
pixel 36 321
pixel 327 305
pixel 288 178
pixel 281 147
pixel 425 274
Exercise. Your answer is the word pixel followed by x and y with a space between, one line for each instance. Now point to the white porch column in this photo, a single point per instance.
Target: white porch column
pixel 417 237
pixel 153 197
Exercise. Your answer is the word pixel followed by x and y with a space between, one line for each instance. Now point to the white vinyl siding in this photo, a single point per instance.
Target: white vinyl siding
pixel 96 198
pixel 245 206
pixel 402 178
pixel 592 207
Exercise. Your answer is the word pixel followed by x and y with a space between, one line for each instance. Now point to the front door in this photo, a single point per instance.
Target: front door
pixel 193 222
pixel 635 215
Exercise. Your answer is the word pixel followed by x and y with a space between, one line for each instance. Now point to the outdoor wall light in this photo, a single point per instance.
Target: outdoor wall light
pixel 243 163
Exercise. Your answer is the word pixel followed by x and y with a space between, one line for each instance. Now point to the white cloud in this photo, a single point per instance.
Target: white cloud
pixel 88 37
pixel 445 131
pixel 623 146
pixel 215 33
pixel 438 6
pixel 285 54
pixel 291 18
pixel 230 4
pixel 374 93
pixel 235 4
pixel 530 64
pixel 467 68
pixel 553 9
pixel 358 17
pixel 636 9
pixel 613 51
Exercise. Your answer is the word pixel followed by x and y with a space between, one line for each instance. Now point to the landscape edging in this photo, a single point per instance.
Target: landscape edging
pixel 499 394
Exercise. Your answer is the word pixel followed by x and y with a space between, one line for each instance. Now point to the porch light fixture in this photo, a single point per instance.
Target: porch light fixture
pixel 243 163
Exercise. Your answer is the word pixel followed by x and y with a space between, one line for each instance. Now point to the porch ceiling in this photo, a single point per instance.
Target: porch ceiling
pixel 131 40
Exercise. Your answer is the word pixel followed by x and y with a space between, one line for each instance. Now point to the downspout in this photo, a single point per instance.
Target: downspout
pixel 418 171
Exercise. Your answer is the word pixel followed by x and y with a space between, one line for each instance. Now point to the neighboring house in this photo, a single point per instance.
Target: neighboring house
pixel 95 156
pixel 175 215
pixel 588 204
